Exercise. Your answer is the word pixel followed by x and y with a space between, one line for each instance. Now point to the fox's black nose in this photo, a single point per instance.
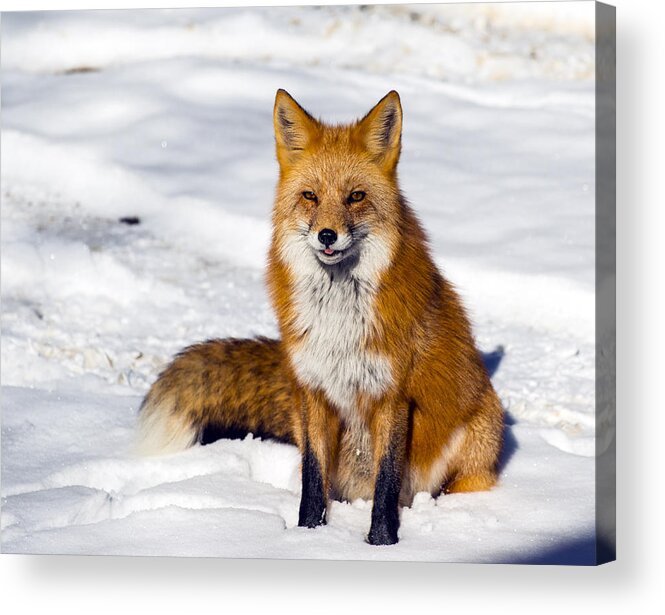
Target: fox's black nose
pixel 327 237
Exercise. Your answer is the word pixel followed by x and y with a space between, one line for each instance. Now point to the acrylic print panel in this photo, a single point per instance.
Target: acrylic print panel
pixel 138 180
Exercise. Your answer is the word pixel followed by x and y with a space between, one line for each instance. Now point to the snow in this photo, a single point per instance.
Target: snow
pixel 167 115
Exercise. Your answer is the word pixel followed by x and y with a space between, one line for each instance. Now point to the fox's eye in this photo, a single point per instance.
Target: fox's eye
pixel 310 196
pixel 356 196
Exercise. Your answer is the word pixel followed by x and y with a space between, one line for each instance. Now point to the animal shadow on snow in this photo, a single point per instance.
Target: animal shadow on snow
pixel 492 361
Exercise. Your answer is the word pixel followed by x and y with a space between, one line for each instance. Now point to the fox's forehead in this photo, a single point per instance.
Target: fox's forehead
pixel 335 162
pixel 332 171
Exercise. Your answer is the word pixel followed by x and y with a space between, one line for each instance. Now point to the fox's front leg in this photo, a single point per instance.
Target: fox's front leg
pixel 319 447
pixel 389 427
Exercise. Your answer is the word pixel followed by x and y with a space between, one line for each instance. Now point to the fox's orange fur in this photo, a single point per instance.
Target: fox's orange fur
pixel 376 378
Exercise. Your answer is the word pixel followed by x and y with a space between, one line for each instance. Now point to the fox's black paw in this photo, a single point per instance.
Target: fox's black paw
pixel 311 517
pixel 382 534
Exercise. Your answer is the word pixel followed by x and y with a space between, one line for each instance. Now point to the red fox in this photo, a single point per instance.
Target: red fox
pixel 376 377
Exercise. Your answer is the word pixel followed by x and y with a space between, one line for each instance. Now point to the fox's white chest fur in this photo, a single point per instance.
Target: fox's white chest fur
pixel 335 315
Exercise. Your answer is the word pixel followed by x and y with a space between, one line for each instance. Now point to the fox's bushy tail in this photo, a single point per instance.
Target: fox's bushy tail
pixel 219 388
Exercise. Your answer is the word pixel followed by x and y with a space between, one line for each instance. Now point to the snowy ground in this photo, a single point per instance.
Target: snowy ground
pixel 166 115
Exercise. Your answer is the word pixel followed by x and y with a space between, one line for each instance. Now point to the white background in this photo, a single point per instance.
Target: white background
pixel 634 583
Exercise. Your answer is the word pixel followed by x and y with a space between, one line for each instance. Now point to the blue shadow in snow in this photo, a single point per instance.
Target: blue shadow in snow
pixel 587 550
pixel 492 361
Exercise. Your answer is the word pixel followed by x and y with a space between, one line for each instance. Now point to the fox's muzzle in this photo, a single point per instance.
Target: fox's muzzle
pixel 331 248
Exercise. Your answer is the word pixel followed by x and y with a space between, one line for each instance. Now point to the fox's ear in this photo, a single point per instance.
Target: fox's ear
pixel 381 130
pixel 294 127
